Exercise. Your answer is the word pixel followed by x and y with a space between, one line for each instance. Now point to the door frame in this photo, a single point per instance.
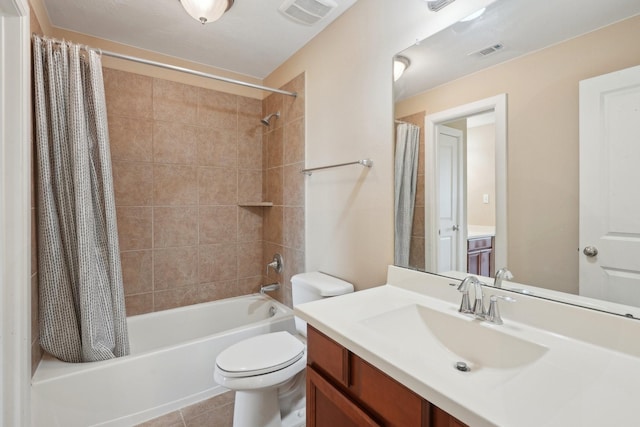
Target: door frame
pixel 15 213
pixel 498 104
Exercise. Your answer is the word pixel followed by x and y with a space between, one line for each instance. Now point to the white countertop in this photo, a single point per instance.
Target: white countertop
pixel 582 379
pixel 477 231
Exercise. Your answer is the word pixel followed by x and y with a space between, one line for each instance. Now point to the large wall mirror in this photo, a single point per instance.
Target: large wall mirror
pixel 509 106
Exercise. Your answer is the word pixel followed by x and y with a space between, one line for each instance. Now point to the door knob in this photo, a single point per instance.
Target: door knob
pixel 590 251
pixel 455 228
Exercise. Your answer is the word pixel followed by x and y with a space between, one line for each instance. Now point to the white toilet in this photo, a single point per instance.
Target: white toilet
pixel 267 371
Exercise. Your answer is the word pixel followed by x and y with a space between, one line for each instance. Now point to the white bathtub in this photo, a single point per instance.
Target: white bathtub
pixel 171 365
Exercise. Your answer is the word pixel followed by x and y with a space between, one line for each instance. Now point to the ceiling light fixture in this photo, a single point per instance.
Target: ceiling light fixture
pixel 400 65
pixel 206 11
pixel 474 15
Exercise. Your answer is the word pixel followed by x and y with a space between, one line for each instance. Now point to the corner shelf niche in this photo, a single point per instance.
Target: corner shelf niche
pixel 255 204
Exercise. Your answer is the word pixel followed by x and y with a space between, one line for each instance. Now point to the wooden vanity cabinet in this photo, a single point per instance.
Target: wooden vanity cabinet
pixel 345 390
pixel 480 256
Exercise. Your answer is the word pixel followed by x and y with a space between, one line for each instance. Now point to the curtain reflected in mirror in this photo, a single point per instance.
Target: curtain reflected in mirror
pixel 406 177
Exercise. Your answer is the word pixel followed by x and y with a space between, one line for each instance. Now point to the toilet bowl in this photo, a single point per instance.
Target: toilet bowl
pixel 267 371
pixel 256 369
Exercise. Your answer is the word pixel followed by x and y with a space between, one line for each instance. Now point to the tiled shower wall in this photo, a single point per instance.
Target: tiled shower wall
pixel 417 248
pixel 185 161
pixel 282 160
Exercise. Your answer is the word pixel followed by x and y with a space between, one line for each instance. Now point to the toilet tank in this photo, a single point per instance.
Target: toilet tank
pixel 306 287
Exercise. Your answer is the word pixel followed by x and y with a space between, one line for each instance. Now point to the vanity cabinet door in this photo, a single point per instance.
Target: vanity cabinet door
pixel 328 407
pixel 327 356
pixel 394 404
pixel 440 418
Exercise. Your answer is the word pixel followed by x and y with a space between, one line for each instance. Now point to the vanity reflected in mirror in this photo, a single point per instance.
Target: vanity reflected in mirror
pixel 521 204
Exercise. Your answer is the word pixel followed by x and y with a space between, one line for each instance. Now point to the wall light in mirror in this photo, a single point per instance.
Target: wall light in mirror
pixel 400 65
pixel 436 5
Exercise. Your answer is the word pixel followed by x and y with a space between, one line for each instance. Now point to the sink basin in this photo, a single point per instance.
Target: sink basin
pixel 457 337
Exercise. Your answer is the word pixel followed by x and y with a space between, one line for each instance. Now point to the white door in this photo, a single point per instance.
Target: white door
pixel 609 178
pixel 449 143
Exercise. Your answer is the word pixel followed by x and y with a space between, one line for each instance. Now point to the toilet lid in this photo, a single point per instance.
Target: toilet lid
pixel 260 355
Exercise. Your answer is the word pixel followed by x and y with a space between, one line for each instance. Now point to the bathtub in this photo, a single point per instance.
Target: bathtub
pixel 171 365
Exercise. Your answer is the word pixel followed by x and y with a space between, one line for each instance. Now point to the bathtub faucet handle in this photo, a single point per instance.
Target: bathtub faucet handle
pixel 269 288
pixel 277 263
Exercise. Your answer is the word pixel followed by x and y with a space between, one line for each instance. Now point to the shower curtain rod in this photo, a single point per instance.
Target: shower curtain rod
pixel 183 70
pixel 195 73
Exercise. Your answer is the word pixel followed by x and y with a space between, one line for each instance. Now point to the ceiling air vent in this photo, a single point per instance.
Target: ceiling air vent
pixel 488 50
pixel 436 5
pixel 307 12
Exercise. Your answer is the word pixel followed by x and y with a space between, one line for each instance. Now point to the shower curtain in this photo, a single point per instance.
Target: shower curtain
pixel 406 172
pixel 82 313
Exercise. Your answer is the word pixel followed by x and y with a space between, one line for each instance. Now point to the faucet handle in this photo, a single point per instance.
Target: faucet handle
pixel 493 315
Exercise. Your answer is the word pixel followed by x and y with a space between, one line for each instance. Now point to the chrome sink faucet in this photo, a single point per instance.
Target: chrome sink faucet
pixel 502 274
pixel 478 305
pixel 491 316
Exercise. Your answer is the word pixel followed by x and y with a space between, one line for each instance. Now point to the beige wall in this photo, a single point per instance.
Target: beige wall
pixel 349 216
pixel 481 177
pixel 542 91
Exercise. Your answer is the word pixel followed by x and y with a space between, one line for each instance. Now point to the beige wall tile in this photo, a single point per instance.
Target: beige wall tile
pixel 293 108
pixel 273 225
pixel 128 94
pixel 249 285
pixel 131 139
pixel 293 150
pixel 275 141
pixel 134 227
pixel 250 259
pixel 250 224
pixel 417 229
pixel 138 304
pixel 217 147
pixel 137 271
pixel 174 143
pixel 174 102
pixel 293 227
pixel 417 252
pixel 275 185
pixel 175 185
pixel 272 104
pixel 194 294
pixel 420 193
pixel 175 226
pixel 249 185
pixel 174 267
pixel 293 183
pixel 218 263
pixel 217 186
pixel 249 107
pixel 132 183
pixel 250 143
pixel 218 224
pixel 217 109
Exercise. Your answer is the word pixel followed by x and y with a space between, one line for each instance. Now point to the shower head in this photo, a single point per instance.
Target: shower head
pixel 266 121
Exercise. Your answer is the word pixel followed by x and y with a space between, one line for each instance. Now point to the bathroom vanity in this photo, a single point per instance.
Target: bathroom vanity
pixel 391 355
pixel 345 390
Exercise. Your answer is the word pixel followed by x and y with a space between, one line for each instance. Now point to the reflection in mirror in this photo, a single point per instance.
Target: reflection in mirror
pixel 539 67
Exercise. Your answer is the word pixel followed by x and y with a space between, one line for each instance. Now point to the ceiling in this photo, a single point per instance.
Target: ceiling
pixel 253 38
pixel 521 26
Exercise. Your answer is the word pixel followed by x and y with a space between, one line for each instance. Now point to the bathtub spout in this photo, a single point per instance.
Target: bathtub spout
pixel 269 288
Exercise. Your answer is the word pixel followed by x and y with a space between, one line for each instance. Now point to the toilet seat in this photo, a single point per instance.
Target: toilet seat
pixel 260 355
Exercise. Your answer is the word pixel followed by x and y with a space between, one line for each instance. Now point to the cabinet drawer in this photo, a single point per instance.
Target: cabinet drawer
pixel 477 244
pixel 387 398
pixel 327 356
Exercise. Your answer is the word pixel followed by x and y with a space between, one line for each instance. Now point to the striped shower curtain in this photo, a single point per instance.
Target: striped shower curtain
pixel 406 173
pixel 82 313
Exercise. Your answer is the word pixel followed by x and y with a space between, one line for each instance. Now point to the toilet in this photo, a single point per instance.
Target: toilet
pixel 267 371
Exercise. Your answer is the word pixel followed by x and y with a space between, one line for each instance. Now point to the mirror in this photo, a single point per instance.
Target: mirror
pixel 535 56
